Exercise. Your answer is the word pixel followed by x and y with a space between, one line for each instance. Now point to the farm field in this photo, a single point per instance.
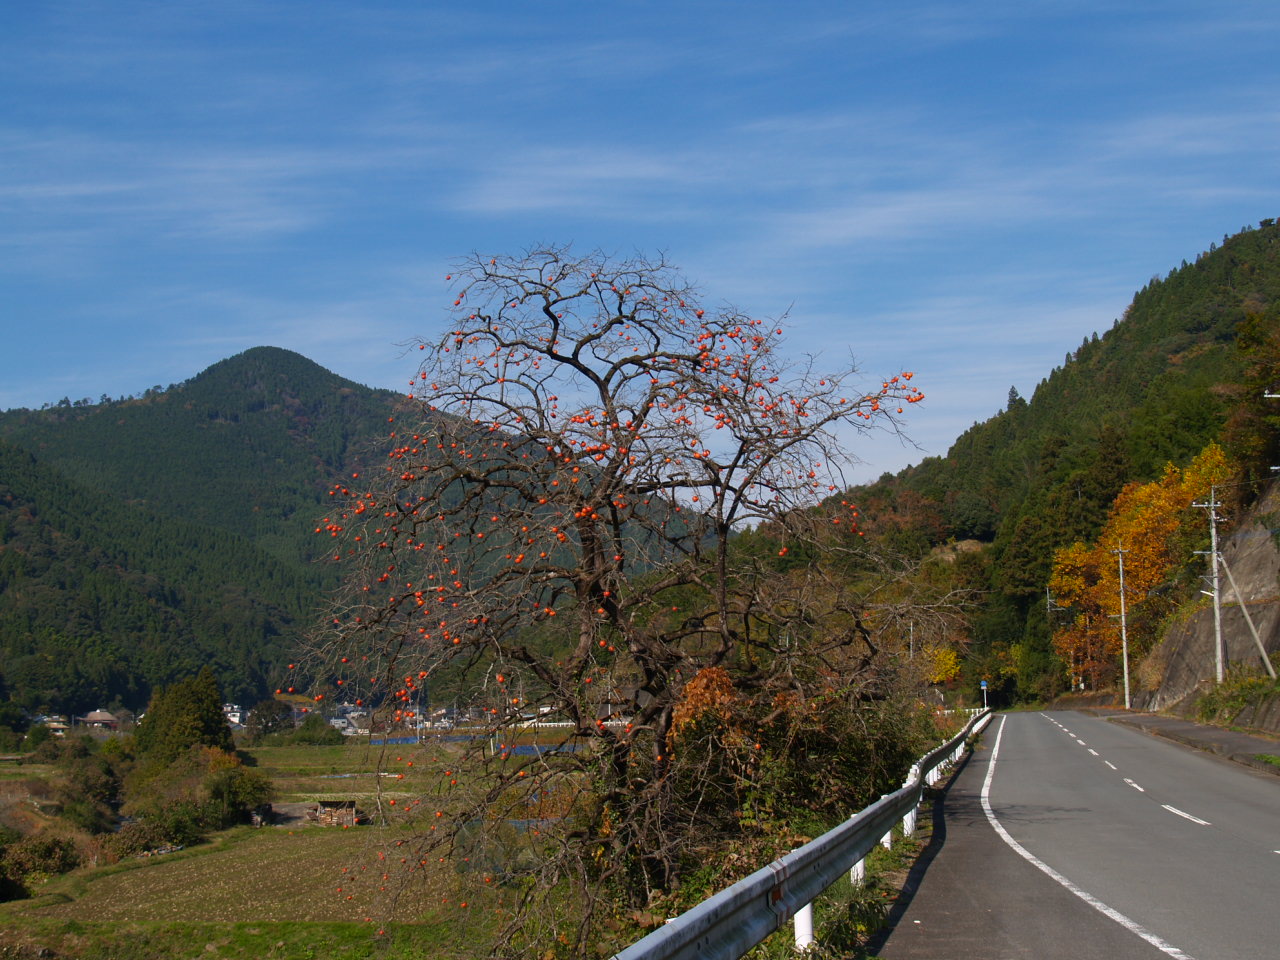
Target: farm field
pixel 272 892
pixel 295 890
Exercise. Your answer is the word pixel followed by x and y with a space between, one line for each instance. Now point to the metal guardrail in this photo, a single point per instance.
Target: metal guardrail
pixel 725 926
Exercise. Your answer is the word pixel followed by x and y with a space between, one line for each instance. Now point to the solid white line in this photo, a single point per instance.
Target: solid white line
pixel 1134 785
pixel 1110 764
pixel 1131 925
pixel 1183 813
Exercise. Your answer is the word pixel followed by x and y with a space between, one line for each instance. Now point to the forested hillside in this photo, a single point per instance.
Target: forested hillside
pixel 144 537
pixel 1166 379
pixel 243 447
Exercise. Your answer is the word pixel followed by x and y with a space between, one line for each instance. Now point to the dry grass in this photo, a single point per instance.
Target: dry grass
pixel 266 875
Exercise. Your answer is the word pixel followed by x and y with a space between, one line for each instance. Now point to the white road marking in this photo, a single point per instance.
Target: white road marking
pixel 1134 785
pixel 1110 764
pixel 1131 925
pixel 1081 742
pixel 1185 815
pixel 1093 751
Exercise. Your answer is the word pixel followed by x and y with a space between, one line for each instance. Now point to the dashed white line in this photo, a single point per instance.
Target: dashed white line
pixel 1110 764
pixel 1185 815
pixel 1093 751
pixel 1130 925
pixel 1134 785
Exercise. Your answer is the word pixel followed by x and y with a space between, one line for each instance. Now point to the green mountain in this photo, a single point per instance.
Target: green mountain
pixel 1161 383
pixel 142 538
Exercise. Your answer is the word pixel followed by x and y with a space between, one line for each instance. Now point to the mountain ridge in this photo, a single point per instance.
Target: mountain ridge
pixel 193 509
pixel 190 512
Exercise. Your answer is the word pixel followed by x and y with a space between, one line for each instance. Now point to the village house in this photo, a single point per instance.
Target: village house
pixel 100 720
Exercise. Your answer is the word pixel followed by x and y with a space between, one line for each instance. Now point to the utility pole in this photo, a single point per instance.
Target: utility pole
pixel 1119 551
pixel 1219 654
pixel 1268 395
pixel 1049 608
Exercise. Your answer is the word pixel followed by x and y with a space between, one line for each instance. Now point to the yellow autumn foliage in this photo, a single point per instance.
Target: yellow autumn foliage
pixel 1145 521
pixel 945 665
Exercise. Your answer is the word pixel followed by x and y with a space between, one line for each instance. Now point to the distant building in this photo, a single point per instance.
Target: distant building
pixel 58 726
pixel 101 720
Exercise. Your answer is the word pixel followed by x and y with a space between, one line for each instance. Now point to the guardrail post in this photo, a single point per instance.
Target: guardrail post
pixel 909 821
pixel 887 840
pixel 804 927
pixel 858 872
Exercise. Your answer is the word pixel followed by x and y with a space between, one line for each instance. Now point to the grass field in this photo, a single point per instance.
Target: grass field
pixel 269 892
pixel 291 891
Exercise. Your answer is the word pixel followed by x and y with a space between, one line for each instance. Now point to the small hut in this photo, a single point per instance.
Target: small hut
pixel 336 813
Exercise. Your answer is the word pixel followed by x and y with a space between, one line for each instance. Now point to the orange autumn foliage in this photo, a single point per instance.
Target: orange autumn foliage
pixel 1147 521
pixel 709 691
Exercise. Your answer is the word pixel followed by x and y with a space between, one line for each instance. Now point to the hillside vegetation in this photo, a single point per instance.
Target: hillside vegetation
pixel 1185 365
pixel 143 537
pixel 517 557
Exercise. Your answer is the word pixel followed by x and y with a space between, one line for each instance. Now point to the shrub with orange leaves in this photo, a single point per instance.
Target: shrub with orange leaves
pixel 709 691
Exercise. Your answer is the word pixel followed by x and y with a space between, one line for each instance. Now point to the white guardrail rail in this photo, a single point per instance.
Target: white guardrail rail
pixel 725 926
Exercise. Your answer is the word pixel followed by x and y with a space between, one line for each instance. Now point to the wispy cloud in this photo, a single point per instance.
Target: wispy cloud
pixel 1192 133
pixel 626 183
pixel 75 190
pixel 967 190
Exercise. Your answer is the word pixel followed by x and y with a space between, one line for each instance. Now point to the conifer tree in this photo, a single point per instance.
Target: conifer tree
pixel 183 715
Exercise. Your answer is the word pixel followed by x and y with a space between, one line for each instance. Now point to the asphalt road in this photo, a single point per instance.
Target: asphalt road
pixel 1065 836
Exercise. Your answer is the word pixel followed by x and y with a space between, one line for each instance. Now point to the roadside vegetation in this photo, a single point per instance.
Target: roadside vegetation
pixel 1243 696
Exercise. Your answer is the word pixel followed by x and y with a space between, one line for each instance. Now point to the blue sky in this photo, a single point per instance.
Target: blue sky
pixel 965 190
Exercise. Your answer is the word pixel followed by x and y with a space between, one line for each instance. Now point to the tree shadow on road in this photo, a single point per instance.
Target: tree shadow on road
pixel 960 807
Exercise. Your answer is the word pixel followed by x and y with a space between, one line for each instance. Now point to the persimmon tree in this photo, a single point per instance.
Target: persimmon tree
pixel 558 516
